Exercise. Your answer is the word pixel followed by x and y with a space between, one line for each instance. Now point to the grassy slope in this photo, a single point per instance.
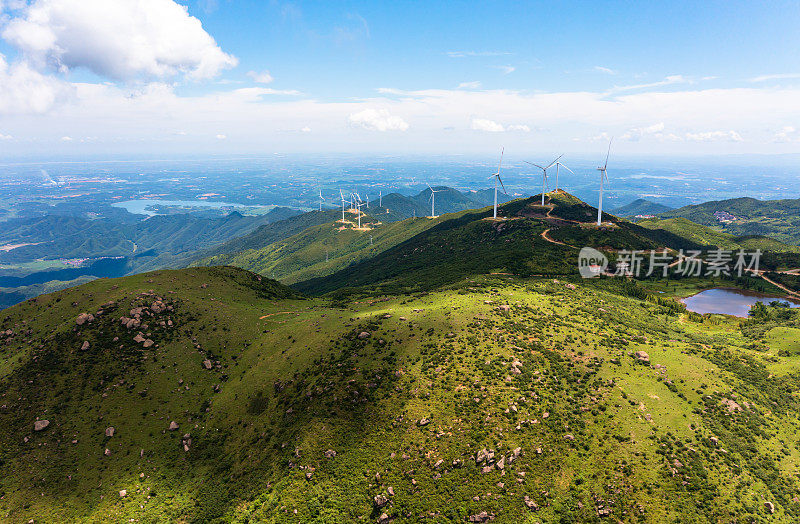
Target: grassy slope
pixel 713 237
pixel 295 381
pixel 323 249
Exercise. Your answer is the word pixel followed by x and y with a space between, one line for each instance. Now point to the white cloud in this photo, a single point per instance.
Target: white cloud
pixel 221 137
pixel 306 129
pixel 605 70
pixel 260 78
pixel 482 124
pixel 670 80
pixel 377 120
pixel 637 133
pixel 66 139
pixel 6 137
pixel 782 76
pixel 24 90
pixel 506 69
pixel 710 136
pixel 518 127
pixel 118 39
pixel 787 134
pixel 469 85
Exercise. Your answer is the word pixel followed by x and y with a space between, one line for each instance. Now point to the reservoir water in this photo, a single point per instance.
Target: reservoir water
pixel 730 301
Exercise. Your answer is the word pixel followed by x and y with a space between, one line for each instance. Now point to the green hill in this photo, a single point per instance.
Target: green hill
pixel 533 240
pixel 640 206
pixel 519 400
pixel 714 237
pixel 779 219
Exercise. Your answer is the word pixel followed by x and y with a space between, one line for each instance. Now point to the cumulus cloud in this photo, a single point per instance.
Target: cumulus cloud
pixel 710 136
pixel 25 90
pixel 260 78
pixel 6 137
pixel 118 39
pixel 787 134
pixel 377 120
pixel 483 124
pixel 66 139
pixel 221 137
pixel 637 133
pixel 469 85
pixel 519 127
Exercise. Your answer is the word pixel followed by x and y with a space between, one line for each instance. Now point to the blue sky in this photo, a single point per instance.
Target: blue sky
pixel 243 76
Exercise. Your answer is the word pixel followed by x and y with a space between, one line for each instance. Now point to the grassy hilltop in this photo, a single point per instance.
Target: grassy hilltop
pixel 454 385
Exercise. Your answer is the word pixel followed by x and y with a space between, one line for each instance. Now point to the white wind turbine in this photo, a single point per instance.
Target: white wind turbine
pixel 343 203
pixel 380 198
pixel 544 173
pixel 321 199
pixel 603 176
pixel 433 199
pixel 358 205
pixel 559 164
pixel 496 180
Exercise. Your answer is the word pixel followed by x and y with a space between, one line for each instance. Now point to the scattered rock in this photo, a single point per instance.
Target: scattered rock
pixel 380 501
pixel 363 335
pixel 383 519
pixel 330 454
pixel 570 437
pixel 110 431
pixel 769 506
pixel 84 318
pixel 39 425
pixel 208 364
pixel 423 422
pixel 479 517
pixel 173 426
pixel 123 493
pixel 642 356
pixel 85 345
pixel 530 503
pixel 148 343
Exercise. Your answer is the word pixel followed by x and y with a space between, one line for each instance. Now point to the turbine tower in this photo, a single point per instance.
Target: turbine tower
pixel 603 176
pixel 433 200
pixel 343 203
pixel 544 173
pixel 359 203
pixel 321 199
pixel 497 179
pixel 380 198
pixel 559 164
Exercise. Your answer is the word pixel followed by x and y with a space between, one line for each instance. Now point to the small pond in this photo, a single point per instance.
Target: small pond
pixel 730 301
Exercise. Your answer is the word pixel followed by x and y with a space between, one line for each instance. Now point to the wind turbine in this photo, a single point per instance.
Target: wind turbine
pixel 380 198
pixel 367 201
pixel 559 164
pixel 496 180
pixel 358 209
pixel 603 175
pixel 544 173
pixel 433 199
pixel 321 199
pixel 343 203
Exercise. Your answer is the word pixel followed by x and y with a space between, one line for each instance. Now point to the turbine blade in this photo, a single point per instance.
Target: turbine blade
pixel 554 161
pixel 501 184
pixel 565 167
pixel 502 151
pixel 608 153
